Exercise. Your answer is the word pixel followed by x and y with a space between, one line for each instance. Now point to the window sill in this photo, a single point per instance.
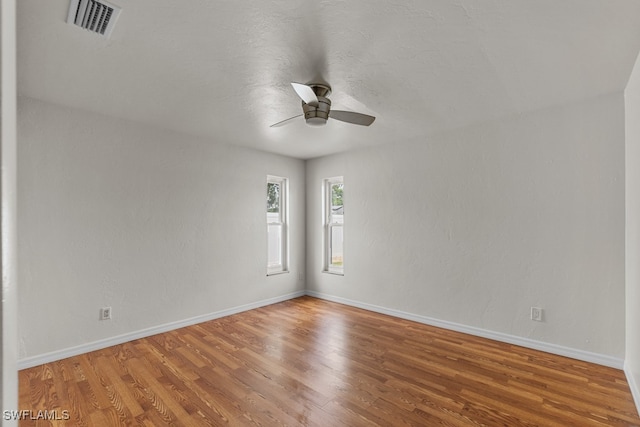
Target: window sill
pixel 275 273
pixel 335 273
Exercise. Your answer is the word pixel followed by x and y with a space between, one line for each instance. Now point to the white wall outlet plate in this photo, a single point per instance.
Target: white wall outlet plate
pixel 536 314
pixel 105 313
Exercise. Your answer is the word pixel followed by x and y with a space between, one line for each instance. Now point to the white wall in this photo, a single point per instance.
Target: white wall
pixel 632 128
pixel 477 226
pixel 8 233
pixel 160 226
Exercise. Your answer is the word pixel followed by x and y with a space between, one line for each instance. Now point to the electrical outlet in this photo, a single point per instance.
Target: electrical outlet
pixel 105 313
pixel 536 314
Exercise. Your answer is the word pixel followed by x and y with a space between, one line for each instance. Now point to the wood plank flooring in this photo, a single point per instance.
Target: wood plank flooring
pixel 309 362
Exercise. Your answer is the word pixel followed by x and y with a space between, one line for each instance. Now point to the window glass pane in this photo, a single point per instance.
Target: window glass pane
pixel 333 228
pixel 337 206
pixel 274 251
pixel 277 239
pixel 336 246
pixel 273 197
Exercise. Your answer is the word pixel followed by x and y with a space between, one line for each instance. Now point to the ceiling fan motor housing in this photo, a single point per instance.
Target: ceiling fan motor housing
pixel 316 107
pixel 317 116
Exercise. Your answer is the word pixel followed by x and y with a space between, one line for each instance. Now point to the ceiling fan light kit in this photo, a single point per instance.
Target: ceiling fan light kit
pixel 316 107
pixel 317 116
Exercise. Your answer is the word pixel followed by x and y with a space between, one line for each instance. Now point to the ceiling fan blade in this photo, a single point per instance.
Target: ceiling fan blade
pixel 286 121
pixel 306 94
pixel 351 117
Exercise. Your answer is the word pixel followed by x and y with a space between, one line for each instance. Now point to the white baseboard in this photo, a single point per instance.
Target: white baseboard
pixel 40 359
pixel 633 385
pixel 585 356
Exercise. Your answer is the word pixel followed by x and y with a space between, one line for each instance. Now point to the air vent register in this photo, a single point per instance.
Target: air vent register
pixel 96 16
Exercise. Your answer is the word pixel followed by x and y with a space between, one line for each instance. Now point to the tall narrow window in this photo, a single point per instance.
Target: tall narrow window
pixel 334 225
pixel 277 239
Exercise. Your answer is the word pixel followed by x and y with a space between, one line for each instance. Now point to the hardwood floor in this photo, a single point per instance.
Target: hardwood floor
pixel 312 362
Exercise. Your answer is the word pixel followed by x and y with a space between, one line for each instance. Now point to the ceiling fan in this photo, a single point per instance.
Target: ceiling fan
pixel 316 107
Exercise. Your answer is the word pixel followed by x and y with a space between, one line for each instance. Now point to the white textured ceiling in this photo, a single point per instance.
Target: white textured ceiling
pixel 221 69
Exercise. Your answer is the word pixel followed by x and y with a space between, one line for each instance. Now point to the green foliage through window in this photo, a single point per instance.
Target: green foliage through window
pixel 336 194
pixel 273 197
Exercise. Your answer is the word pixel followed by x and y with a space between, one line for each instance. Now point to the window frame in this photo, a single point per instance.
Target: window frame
pixel 329 224
pixel 283 222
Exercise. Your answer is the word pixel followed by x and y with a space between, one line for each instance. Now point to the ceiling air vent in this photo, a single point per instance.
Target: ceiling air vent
pixel 96 16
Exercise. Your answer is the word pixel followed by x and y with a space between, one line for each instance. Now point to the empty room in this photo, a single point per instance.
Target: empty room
pixel 320 213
